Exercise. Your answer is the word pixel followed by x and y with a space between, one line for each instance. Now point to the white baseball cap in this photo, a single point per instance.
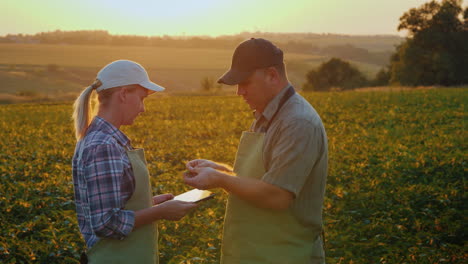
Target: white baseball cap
pixel 125 72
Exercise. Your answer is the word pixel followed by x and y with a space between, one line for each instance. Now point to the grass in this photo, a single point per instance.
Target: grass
pixel 395 192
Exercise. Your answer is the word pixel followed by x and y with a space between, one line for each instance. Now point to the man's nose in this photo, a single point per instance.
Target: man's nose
pixel 240 90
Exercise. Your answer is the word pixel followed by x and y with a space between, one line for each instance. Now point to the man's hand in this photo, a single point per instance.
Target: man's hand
pixel 199 163
pixel 204 174
pixel 162 198
pixel 203 178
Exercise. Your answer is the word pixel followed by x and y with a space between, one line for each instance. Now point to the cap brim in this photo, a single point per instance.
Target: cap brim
pixel 152 86
pixel 233 77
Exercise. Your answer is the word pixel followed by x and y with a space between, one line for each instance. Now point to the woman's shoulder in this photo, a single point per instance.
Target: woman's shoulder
pixel 96 138
pixel 98 141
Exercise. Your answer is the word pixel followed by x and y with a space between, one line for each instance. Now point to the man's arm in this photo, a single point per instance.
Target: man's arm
pixel 254 191
pixel 292 161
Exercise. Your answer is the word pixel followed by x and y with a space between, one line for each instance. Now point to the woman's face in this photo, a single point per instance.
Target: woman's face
pixel 133 104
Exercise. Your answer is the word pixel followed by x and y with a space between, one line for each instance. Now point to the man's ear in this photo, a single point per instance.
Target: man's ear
pixel 272 75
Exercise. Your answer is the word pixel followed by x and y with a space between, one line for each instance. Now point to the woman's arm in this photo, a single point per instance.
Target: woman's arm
pixel 168 210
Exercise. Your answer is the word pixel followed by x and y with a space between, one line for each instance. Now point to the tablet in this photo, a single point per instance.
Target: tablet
pixel 195 196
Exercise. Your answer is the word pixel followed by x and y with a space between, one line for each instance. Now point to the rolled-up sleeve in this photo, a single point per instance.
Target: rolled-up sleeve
pixel 104 173
pixel 294 154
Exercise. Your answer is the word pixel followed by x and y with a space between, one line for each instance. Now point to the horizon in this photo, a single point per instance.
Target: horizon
pixel 213 37
pixel 207 18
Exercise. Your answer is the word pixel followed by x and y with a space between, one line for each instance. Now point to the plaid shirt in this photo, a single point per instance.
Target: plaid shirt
pixel 103 182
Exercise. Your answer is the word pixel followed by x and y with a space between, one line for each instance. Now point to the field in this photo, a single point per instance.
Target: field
pixel 395 192
pixel 25 69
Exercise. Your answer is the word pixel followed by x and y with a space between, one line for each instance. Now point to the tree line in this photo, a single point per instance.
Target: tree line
pixel 435 52
pixel 292 43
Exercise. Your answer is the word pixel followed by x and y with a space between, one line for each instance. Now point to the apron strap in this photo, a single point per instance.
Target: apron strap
pixel 290 92
pixel 323 239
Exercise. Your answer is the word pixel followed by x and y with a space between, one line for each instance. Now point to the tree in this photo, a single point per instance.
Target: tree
pixel 334 73
pixel 382 78
pixel 435 51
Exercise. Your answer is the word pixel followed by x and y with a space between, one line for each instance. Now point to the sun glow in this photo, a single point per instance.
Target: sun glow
pixel 203 17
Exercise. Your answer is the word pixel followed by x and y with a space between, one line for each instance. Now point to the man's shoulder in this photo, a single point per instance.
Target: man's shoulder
pixel 299 111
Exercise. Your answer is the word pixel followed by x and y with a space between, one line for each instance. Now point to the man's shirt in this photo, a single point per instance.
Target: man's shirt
pixel 295 154
pixel 103 182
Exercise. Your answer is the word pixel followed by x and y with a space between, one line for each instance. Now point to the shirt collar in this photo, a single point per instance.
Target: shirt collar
pixel 102 125
pixel 272 106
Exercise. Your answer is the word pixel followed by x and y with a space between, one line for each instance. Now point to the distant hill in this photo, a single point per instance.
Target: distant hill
pixel 368 49
pixel 102 37
pixel 372 43
pixel 61 63
pixel 31 69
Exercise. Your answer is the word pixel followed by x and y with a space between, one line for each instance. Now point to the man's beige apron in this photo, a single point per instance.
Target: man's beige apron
pixel 254 235
pixel 141 245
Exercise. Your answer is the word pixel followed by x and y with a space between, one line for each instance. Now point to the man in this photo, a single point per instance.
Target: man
pixel 276 189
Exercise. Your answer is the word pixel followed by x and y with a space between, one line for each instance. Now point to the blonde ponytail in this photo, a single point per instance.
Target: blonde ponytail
pixel 82 111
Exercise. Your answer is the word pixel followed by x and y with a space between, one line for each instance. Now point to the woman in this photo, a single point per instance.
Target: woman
pixel 116 211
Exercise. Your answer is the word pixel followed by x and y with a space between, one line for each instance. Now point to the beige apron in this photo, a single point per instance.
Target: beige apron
pixel 141 245
pixel 254 235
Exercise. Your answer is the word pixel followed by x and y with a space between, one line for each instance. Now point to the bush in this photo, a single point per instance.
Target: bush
pixel 27 93
pixel 334 73
pixel 382 78
pixel 208 84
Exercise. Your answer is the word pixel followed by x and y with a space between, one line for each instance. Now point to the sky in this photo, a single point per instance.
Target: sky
pixel 204 17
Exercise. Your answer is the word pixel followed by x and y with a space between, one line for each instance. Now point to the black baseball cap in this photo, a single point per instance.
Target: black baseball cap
pixel 252 54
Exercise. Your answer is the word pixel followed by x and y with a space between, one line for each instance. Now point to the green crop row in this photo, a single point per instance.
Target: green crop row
pixel 395 192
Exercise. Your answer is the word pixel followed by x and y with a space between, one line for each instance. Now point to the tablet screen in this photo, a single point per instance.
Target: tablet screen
pixel 194 196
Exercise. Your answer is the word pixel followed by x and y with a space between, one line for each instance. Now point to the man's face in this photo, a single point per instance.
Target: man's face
pixel 255 90
pixel 134 104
